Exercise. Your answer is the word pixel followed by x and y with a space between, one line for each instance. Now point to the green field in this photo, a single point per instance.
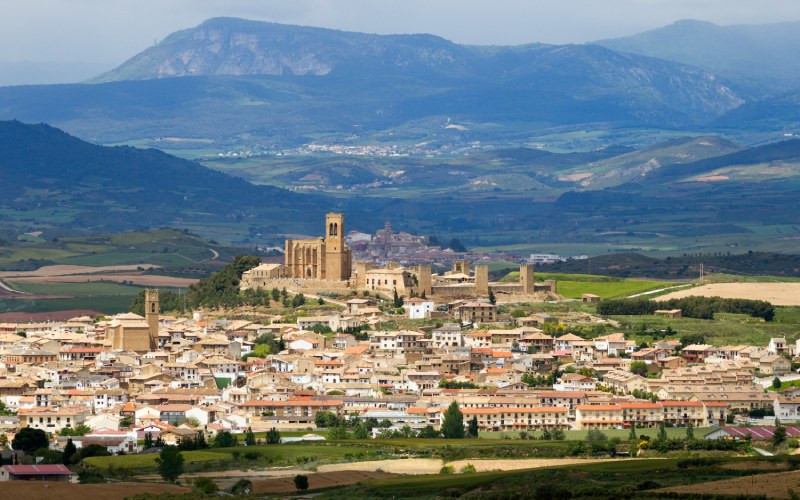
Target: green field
pixel 265 455
pixel 623 434
pixel 88 288
pixel 724 329
pixel 572 286
pixel 148 461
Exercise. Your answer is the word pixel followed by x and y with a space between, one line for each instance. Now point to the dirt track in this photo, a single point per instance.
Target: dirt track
pixel 321 480
pixel 779 294
pixel 138 279
pixel 432 466
pixel 64 270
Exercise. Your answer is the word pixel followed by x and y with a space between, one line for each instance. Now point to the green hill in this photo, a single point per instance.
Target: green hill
pixel 49 178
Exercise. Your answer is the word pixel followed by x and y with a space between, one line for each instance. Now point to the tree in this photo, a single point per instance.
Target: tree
pixel 776 383
pixel 338 433
pixel 191 422
pixel 298 300
pixel 326 419
pixel 779 436
pixel 456 245
pixel 200 441
pixel 170 463
pixel 30 440
pixel 472 429
pixel 360 431
pixel 689 431
pixel 250 437
pixel 662 431
pixel 428 432
pixel 5 411
pixel 301 482
pixel 94 450
pixel 273 436
pixel 397 301
pixel 148 440
pixel 639 368
pixel 492 298
pixel 3 441
pixel 78 430
pixel 69 450
pixel 453 422
pixel 224 439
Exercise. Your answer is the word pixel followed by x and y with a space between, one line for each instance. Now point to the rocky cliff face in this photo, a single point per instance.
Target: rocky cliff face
pixel 224 46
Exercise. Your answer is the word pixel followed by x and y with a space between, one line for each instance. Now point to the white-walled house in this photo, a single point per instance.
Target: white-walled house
pixel 418 308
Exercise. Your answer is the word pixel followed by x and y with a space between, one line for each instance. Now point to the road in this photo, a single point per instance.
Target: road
pixel 767 381
pixel 651 292
pixel 11 290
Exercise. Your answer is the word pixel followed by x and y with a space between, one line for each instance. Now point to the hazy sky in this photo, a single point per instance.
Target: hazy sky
pixel 110 31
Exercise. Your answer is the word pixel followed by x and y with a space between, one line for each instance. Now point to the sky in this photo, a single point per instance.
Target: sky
pixel 101 34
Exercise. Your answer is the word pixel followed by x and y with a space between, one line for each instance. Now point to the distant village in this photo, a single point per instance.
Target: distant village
pixel 126 376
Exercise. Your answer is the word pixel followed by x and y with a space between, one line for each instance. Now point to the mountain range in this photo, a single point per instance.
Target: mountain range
pixel 232 82
pixel 755 60
pixel 495 145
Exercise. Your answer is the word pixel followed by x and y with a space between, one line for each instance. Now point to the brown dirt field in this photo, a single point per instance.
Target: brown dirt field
pixel 316 481
pixel 772 485
pixel 63 270
pixel 23 317
pixel 138 279
pixel 14 490
pixel 779 294
pixel 754 465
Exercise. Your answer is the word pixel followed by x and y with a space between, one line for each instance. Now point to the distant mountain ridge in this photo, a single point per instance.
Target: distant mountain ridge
pixel 232 46
pixel 233 81
pixel 756 59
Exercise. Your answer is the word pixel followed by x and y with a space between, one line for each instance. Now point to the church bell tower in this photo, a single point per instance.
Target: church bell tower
pixel 336 267
pixel 151 315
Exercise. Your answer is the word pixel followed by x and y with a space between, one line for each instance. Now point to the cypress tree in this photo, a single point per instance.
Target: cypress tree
pixel 453 423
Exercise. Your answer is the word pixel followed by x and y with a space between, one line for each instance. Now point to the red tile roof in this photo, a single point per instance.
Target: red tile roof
pixel 52 469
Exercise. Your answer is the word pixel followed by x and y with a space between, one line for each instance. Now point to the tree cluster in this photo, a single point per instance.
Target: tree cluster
pixel 691 307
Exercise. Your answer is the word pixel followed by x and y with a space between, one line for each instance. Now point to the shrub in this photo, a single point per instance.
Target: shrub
pixel 447 469
pixel 301 482
pixel 551 492
pixel 468 469
pixel 242 487
pixel 205 486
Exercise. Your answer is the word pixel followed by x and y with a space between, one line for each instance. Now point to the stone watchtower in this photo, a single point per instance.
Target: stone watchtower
pixel 337 257
pixel 151 315
pixel 526 278
pixel 481 279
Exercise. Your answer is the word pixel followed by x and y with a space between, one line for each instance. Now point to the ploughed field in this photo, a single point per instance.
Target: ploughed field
pixel 779 294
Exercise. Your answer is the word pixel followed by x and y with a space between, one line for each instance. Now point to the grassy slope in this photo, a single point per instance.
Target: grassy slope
pixel 616 479
pixel 573 285
pixel 724 329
